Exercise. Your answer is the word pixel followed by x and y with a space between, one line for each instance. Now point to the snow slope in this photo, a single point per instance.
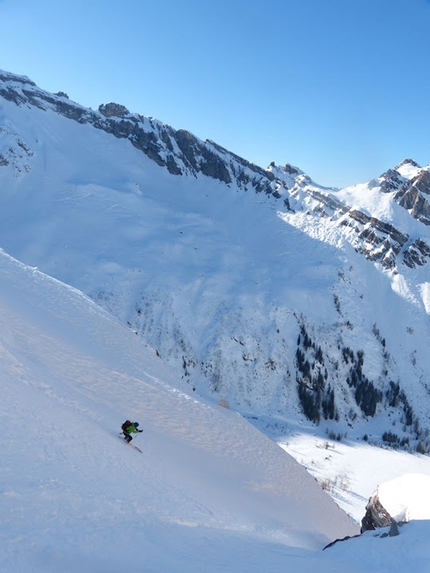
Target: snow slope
pixel 74 497
pixel 208 493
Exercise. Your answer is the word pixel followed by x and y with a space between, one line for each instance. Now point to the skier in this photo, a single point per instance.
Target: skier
pixel 129 428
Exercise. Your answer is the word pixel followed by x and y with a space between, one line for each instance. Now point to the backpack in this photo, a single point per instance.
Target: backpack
pixel 126 424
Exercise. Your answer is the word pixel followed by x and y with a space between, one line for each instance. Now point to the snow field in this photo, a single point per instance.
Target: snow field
pixel 77 498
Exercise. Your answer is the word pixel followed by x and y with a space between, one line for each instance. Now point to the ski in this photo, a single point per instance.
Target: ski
pixel 130 444
pixel 136 448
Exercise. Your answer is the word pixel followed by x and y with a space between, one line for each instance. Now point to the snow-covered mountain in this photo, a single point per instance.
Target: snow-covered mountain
pixel 288 300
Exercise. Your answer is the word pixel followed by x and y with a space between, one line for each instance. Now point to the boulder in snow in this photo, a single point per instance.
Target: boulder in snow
pixel 399 500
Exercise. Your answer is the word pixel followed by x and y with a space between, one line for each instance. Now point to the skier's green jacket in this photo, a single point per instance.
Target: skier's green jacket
pixel 131 429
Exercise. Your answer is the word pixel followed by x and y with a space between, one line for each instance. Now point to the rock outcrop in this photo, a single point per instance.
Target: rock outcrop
pixel 398 501
pixel 414 196
pixel 376 515
pixel 113 110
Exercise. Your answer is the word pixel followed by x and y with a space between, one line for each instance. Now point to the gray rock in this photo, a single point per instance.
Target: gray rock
pixel 394 529
pixel 112 109
pixel 376 515
pixel 413 196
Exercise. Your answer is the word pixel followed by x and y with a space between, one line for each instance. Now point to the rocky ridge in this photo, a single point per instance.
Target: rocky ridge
pixel 181 153
pixel 178 150
pixel 378 240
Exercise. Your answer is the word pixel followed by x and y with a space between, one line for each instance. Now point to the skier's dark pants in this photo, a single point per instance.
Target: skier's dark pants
pixel 127 438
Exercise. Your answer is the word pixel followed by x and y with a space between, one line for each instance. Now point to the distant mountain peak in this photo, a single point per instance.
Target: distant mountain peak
pixel 407 161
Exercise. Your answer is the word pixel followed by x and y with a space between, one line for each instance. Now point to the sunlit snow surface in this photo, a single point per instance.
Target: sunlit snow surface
pixel 352 472
pixel 208 493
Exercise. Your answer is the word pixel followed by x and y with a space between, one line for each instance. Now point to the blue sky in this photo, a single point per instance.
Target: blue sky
pixel 339 88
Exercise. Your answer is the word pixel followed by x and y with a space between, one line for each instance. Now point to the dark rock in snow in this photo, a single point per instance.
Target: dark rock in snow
pixel 417 254
pixel 113 110
pixel 391 181
pixel 376 515
pixel 413 196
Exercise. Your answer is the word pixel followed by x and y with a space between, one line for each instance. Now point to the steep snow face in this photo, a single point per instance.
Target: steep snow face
pixel 74 495
pixel 261 287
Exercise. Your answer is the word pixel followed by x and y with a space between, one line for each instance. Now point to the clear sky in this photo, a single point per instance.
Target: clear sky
pixel 340 88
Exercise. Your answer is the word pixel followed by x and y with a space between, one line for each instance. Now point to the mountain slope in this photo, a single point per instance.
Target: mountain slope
pixel 289 300
pixel 208 493
pixel 73 495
